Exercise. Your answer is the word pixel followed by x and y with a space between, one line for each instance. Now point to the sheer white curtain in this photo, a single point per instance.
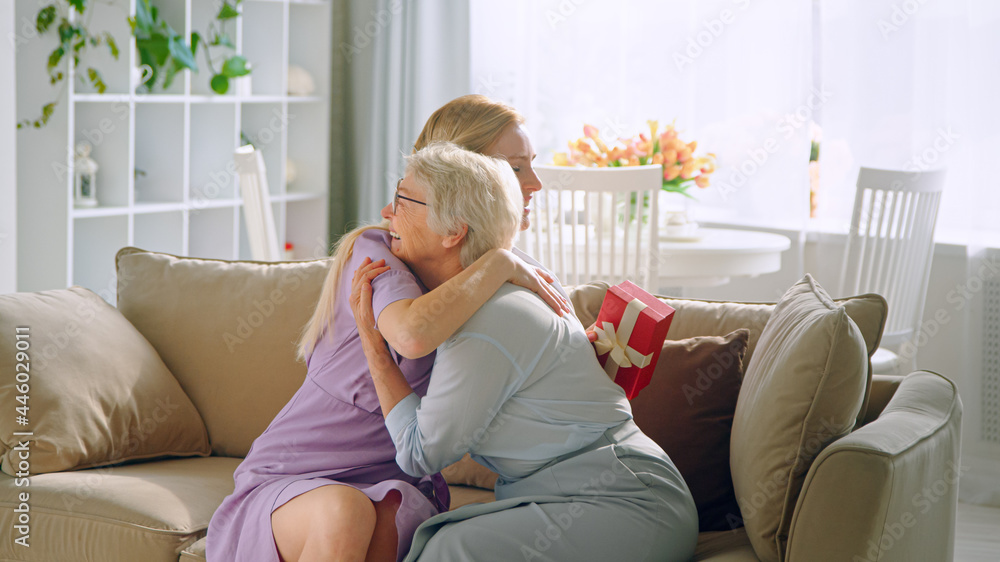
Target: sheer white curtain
pixel 406 59
pixel 892 83
pixel 913 86
pixel 734 74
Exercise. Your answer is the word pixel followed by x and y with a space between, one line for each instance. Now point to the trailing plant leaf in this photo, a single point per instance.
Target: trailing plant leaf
pixel 220 84
pixel 227 12
pixel 195 39
pixel 222 39
pixel 181 53
pixel 74 40
pixel 54 58
pixel 112 45
pixel 47 111
pixel 46 16
pixel 235 66
pixel 97 80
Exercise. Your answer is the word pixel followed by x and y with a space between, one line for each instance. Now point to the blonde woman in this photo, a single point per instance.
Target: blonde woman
pixel 321 483
pixel 519 388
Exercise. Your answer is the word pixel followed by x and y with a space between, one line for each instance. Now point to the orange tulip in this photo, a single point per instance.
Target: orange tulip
pixel 560 159
pixel 658 158
pixel 688 170
pixel 670 157
pixel 684 155
pixel 701 181
pixel 633 160
pixel 670 173
pixel 590 131
pixel 693 145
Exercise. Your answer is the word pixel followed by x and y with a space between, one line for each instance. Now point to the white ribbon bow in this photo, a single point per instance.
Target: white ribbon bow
pixel 608 339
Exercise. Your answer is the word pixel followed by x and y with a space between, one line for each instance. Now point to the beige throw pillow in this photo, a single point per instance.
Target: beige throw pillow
pixel 227 330
pixel 94 390
pixel 802 390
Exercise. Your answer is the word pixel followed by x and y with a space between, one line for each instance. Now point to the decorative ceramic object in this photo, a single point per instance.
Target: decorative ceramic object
pixel 300 83
pixel 84 176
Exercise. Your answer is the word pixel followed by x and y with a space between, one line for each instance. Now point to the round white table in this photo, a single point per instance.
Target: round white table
pixel 718 255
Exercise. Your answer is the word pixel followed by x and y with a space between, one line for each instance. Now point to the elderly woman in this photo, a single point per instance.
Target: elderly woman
pixel 518 387
pixel 322 482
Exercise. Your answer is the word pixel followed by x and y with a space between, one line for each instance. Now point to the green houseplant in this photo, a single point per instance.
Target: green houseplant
pixel 160 48
pixel 75 38
pixel 165 52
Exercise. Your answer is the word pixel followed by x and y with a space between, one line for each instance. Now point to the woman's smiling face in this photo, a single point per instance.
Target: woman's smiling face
pixel 412 240
pixel 515 145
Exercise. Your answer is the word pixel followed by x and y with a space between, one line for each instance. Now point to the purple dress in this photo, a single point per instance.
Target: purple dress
pixel 332 431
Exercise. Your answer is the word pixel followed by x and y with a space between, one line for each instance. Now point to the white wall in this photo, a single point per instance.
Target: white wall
pixel 8 159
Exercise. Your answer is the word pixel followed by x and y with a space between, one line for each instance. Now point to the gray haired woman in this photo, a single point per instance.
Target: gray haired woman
pixel 519 388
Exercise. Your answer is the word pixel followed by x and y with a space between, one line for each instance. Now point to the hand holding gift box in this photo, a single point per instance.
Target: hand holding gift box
pixel 631 328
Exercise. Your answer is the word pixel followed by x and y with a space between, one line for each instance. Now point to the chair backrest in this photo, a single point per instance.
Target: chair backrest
pixel 257 204
pixel 596 223
pixel 890 244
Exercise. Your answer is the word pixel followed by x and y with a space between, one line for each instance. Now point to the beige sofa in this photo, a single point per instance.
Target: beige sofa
pixel 225 331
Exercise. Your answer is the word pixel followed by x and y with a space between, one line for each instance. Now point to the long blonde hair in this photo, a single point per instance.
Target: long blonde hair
pixel 322 317
pixel 473 122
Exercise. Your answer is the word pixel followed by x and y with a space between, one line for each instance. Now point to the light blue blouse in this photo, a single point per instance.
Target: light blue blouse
pixel 517 386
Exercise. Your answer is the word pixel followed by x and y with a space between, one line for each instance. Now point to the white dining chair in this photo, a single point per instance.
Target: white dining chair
pixel 257 211
pixel 889 249
pixel 592 224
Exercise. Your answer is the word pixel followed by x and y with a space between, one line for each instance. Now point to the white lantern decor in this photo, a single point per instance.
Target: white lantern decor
pixel 84 176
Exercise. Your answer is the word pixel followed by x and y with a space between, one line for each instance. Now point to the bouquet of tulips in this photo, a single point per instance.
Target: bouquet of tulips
pixel 681 168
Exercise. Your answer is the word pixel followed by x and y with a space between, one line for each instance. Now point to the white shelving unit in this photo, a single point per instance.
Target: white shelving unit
pixel 166 180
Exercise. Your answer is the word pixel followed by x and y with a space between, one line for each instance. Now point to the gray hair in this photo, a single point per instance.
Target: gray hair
pixel 468 188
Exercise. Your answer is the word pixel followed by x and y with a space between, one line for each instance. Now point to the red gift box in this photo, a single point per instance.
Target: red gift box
pixel 631 328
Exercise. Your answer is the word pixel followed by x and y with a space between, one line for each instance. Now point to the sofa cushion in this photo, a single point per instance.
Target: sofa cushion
pixel 802 390
pixel 693 317
pixel 149 511
pixel 195 552
pixel 227 330
pixel 94 390
pixel 688 410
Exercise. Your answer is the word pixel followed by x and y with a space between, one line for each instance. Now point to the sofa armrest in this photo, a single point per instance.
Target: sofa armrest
pixel 883 389
pixel 888 491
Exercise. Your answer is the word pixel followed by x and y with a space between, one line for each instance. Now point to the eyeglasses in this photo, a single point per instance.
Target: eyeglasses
pixel 397 197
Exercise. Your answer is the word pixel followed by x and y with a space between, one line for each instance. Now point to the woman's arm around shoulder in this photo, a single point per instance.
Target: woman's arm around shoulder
pixel 416 327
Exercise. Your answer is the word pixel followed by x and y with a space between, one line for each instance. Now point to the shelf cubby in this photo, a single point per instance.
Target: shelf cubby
pixel 264 46
pixel 174 14
pixel 211 233
pixel 106 127
pixel 308 40
pixel 159 152
pixel 113 15
pixel 98 239
pixel 160 232
pixel 213 140
pixel 307 148
pixel 265 125
pixel 306 228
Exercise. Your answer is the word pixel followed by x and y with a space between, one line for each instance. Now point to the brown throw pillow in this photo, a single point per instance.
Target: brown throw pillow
pixel 688 410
